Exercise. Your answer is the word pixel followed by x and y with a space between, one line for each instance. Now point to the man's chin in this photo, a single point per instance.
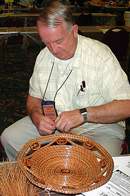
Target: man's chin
pixel 62 57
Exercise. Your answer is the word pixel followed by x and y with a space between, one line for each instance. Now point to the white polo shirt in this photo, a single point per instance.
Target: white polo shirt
pixel 93 63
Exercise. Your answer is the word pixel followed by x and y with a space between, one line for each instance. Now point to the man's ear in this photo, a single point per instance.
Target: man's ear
pixel 75 30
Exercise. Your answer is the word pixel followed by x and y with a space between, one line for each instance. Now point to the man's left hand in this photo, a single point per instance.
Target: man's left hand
pixel 68 120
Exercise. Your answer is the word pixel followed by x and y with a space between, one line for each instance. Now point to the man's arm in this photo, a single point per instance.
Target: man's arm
pixel 114 111
pixel 42 122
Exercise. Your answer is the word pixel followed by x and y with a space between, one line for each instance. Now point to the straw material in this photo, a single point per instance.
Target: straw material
pixel 13 182
pixel 65 163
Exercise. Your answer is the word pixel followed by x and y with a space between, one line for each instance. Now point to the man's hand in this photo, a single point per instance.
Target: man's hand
pixel 43 123
pixel 69 119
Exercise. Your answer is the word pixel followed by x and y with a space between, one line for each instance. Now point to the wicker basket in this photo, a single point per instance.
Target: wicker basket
pixel 65 163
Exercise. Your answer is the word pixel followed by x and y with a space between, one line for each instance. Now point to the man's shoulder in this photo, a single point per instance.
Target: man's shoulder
pixel 44 53
pixel 87 41
pixel 93 47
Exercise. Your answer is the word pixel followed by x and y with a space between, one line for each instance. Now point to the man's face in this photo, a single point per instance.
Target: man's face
pixel 61 43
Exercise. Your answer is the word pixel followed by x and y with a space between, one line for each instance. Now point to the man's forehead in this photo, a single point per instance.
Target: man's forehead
pixel 52 36
pixel 58 23
pixel 44 29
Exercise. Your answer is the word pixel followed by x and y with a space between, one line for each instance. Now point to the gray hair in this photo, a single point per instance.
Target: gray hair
pixel 55 12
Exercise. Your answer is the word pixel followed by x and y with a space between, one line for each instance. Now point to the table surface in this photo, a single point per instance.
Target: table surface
pixel 108 5
pixel 4 15
pixel 29 14
pixel 33 29
pixel 8 30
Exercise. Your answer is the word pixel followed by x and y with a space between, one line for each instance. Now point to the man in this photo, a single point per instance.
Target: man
pixel 83 79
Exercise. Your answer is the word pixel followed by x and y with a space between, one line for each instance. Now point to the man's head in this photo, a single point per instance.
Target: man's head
pixel 57 29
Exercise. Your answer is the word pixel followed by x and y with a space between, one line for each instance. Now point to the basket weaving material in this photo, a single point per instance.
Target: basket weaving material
pixel 14 183
pixel 65 163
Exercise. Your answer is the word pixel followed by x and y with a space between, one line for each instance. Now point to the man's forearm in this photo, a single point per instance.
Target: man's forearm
pixel 33 105
pixel 109 113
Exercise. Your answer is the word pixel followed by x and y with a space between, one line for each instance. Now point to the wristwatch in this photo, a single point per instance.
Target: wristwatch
pixel 84 113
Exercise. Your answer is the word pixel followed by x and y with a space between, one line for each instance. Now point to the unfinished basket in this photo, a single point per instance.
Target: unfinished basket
pixel 65 163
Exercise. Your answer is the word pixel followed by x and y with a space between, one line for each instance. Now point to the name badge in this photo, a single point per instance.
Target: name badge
pixel 49 109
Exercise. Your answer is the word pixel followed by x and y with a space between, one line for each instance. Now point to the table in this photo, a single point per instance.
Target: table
pixel 18 19
pixel 27 32
pixel 18 23
pixel 99 29
pixel 33 29
pixel 29 19
pixel 107 7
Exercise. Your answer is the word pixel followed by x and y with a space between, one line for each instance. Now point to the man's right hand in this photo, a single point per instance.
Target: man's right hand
pixel 43 123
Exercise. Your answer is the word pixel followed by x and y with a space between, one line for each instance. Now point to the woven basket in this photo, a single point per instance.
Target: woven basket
pixel 65 163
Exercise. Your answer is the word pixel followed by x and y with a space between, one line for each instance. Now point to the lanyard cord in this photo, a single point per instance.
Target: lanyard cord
pixel 48 80
pixel 62 85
